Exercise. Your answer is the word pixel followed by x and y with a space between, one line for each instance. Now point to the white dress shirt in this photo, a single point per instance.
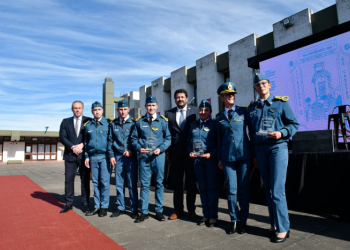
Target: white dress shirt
pixel 79 121
pixel 154 116
pixel 121 120
pixel 178 114
pixel 233 109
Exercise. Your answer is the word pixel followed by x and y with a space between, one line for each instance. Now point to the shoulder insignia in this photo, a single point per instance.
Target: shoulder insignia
pixel 133 119
pixel 194 122
pixel 137 119
pixel 249 105
pixel 283 98
pixel 86 123
pixel 220 112
pixel 109 120
pixel 166 119
pixel 112 120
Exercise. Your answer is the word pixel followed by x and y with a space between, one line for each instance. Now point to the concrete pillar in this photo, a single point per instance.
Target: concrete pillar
pixel 142 99
pixel 162 97
pixel 134 99
pixel 108 98
pixel 179 81
pixel 343 9
pixel 301 28
pixel 240 73
pixel 208 80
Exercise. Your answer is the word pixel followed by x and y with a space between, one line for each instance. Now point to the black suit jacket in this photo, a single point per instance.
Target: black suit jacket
pixel 179 138
pixel 68 137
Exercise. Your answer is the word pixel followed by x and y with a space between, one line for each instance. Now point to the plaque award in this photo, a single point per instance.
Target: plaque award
pixel 198 148
pixel 267 125
pixel 151 144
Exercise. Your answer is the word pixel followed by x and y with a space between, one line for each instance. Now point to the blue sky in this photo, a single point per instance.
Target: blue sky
pixel 56 51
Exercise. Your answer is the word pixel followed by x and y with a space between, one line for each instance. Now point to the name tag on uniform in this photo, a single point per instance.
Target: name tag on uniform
pixel 273 110
pixel 89 131
pixel 206 129
pixel 222 121
pixel 116 129
pixel 145 126
pixel 195 130
pixel 239 119
pixel 253 112
pixel 102 131
pixel 155 129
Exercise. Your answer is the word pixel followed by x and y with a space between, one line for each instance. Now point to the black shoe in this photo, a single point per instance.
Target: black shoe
pixel 66 208
pixel 203 222
pixel 243 228
pixel 233 228
pixel 141 218
pixel 117 213
pixel 103 212
pixel 160 216
pixel 270 233
pixel 95 211
pixel 212 223
pixel 135 215
pixel 279 240
pixel 85 209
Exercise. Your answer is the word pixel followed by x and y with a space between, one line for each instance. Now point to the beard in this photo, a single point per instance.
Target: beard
pixel 181 104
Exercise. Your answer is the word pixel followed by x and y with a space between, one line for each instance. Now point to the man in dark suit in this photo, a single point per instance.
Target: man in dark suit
pixel 180 119
pixel 72 137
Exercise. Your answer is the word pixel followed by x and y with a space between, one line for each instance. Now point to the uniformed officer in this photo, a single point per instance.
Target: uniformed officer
pixel 151 137
pixel 201 144
pixel 124 158
pixel 271 123
pixel 235 157
pixel 96 132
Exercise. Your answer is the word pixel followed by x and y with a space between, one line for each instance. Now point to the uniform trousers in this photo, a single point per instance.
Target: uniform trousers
pixel 151 163
pixel 70 168
pixel 237 172
pixel 126 169
pixel 273 161
pixel 101 174
pixel 208 180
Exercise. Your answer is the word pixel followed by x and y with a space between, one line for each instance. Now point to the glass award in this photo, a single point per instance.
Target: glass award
pixel 267 125
pixel 198 148
pixel 151 144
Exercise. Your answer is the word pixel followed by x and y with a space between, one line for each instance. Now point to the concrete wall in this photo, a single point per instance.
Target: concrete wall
pixel 60 150
pixel 134 100
pixel 343 9
pixel 208 80
pixel 13 151
pixel 301 28
pixel 179 81
pixel 108 98
pixel 162 97
pixel 240 73
pixel 143 99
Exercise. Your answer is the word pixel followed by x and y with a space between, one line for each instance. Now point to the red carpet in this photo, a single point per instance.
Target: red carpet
pixel 30 219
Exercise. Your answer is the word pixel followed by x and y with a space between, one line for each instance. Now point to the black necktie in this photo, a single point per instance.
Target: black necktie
pixel 123 123
pixel 230 114
pixel 202 124
pixel 150 120
pixel 96 123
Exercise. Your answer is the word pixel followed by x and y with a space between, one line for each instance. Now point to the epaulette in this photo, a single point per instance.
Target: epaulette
pixel 133 119
pixel 109 120
pixel 249 105
pixel 137 118
pixel 112 120
pixel 219 112
pixel 86 123
pixel 194 122
pixel 166 119
pixel 283 98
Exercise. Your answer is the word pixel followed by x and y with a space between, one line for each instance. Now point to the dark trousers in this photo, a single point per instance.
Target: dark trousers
pixel 70 172
pixel 179 168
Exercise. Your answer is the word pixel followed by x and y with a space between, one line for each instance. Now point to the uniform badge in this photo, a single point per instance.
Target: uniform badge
pixel 273 110
pixel 102 131
pixel 195 130
pixel 229 86
pixel 89 131
pixel 221 121
pixel 116 129
pixel 145 126
pixel 155 129
pixel 122 104
pixel 127 130
pixel 206 129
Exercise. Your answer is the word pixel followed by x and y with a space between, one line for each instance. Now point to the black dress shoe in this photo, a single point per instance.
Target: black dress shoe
pixel 270 233
pixel 66 208
pixel 103 212
pixel 203 222
pixel 243 228
pixel 279 240
pixel 141 218
pixel 160 216
pixel 135 215
pixel 212 223
pixel 117 213
pixel 233 228
pixel 95 211
pixel 85 209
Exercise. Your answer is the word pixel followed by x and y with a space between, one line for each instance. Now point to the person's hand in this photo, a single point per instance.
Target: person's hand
pixel 167 158
pixel 275 135
pixel 220 165
pixel 87 163
pixel 192 156
pixel 206 156
pixel 112 161
pixel 143 151
pixel 77 150
pixel 255 163
pixel 156 152
pixel 127 153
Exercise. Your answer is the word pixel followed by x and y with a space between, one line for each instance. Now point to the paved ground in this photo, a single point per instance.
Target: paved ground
pixel 307 231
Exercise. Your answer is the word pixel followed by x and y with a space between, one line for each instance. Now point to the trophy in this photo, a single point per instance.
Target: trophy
pixel 198 148
pixel 267 125
pixel 151 144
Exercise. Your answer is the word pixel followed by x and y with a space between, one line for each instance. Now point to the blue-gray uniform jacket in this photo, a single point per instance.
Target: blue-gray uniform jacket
pixel 207 134
pixel 96 139
pixel 285 120
pixel 159 129
pixel 233 142
pixel 119 139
